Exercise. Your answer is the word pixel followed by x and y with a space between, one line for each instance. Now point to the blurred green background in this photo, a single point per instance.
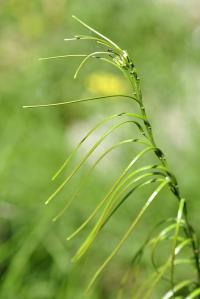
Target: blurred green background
pixel 163 36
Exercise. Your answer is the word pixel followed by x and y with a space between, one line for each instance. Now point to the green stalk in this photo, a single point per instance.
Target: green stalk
pixel 189 231
pixel 119 58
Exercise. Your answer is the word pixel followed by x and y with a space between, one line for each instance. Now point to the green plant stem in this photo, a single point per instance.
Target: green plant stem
pixel 189 231
pixel 119 58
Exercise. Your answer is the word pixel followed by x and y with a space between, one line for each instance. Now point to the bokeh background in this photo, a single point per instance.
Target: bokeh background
pixel 163 36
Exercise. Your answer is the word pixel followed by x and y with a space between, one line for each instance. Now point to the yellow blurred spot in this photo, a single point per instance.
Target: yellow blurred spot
pixel 105 84
pixel 32 25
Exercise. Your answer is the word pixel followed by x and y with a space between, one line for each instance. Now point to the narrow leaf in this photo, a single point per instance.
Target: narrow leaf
pixel 75 170
pixel 112 191
pixel 62 56
pixel 97 33
pixel 177 288
pixel 109 97
pixel 88 37
pixel 85 60
pixel 129 231
pixel 88 175
pixel 177 228
pixel 193 294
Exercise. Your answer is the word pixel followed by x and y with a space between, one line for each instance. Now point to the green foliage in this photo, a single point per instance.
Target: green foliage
pixel 177 233
pixel 163 38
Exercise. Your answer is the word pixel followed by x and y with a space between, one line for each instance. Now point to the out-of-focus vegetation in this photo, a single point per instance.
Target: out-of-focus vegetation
pixel 164 39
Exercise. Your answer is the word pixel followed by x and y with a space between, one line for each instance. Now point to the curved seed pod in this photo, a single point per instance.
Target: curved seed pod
pixel 99 124
pixel 117 205
pixel 110 193
pixel 139 253
pixel 177 287
pixel 176 235
pixel 88 175
pixel 88 37
pixel 164 268
pixel 76 169
pixel 114 96
pixel 86 59
pixel 129 231
pixel 194 294
pixel 98 34
pixel 124 198
pixel 165 234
